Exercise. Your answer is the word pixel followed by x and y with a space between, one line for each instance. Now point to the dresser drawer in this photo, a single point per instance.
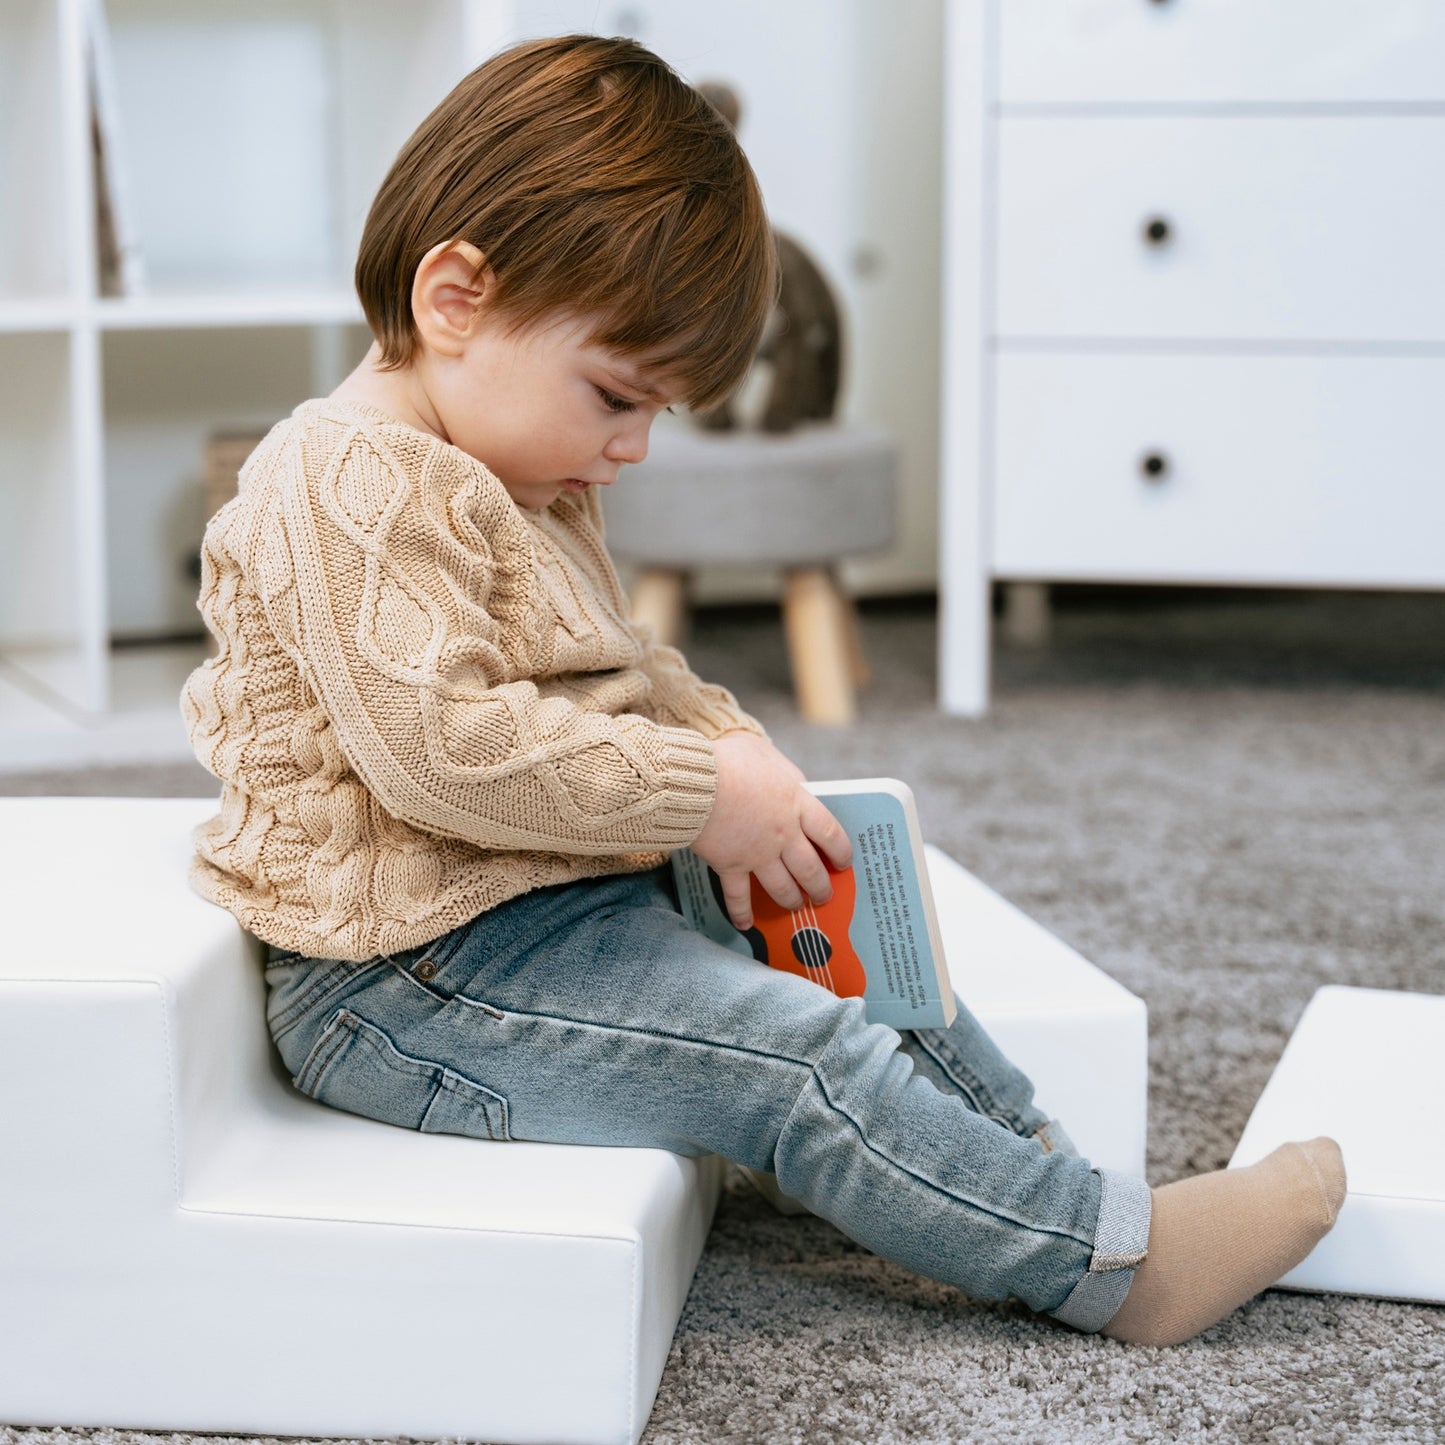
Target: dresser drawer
pixel 1317 228
pixel 1301 51
pixel 1318 470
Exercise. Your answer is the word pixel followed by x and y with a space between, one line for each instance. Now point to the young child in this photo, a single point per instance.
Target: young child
pixel 451 769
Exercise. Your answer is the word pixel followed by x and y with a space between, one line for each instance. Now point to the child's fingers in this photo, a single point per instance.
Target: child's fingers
pixel 828 833
pixel 779 884
pixel 737 891
pixel 808 870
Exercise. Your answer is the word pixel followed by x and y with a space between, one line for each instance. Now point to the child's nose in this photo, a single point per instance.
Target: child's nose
pixel 629 445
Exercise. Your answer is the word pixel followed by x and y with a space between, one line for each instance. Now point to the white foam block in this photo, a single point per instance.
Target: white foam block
pixel 186 1243
pixel 1366 1066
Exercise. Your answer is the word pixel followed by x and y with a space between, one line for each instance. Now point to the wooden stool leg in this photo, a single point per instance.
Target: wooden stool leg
pixel 818 646
pixel 857 658
pixel 659 599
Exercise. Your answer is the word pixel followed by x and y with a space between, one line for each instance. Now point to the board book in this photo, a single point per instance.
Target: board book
pixel 877 938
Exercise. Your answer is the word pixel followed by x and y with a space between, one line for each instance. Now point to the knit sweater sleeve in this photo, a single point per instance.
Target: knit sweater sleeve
pixel 680 697
pixel 414 627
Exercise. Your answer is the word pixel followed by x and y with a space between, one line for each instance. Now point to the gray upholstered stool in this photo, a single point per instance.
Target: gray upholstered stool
pixel 801 502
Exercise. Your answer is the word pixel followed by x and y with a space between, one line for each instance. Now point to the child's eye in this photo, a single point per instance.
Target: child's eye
pixel 615 403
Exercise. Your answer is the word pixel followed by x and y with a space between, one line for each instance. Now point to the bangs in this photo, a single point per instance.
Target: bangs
pixel 699 326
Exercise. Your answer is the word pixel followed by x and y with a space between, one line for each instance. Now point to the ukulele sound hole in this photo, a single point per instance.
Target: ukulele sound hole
pixel 811 948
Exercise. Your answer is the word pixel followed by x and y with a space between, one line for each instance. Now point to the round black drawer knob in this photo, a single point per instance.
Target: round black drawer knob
pixel 1154 466
pixel 1158 231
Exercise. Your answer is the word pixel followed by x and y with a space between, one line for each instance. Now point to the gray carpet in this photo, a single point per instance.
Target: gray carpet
pixel 1225 800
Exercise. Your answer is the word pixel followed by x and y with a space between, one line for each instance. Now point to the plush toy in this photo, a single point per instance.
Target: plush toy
pixel 802 347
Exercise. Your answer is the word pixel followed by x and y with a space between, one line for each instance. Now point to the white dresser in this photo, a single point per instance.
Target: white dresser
pixel 1194 308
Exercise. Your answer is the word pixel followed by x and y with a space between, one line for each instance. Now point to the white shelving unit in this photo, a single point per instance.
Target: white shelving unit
pixel 249 137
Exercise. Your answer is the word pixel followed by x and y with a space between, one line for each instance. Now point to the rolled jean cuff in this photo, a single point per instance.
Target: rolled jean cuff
pixel 1121 1241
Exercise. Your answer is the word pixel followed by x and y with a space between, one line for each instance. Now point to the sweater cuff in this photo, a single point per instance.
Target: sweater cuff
pixel 707 709
pixel 713 719
pixel 689 768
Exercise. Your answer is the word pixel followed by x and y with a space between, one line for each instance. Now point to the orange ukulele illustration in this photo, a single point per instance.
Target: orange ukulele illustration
pixel 811 941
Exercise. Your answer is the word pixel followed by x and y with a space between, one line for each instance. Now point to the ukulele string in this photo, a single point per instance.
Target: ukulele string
pixel 821 939
pixel 812 952
pixel 815 944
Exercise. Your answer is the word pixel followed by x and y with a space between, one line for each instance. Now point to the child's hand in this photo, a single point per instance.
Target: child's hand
pixel 765 822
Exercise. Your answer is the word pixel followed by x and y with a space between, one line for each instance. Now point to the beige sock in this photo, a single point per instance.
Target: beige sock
pixel 1218 1239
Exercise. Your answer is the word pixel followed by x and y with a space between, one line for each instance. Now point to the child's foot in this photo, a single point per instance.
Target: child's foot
pixel 1218 1239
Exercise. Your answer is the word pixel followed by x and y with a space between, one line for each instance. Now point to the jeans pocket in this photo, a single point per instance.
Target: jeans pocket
pixel 297 987
pixel 354 1066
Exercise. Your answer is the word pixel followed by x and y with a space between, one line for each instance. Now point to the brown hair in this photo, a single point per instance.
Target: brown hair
pixel 594 180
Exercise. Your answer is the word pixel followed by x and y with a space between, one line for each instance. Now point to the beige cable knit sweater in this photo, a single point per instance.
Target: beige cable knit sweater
pixel 426 700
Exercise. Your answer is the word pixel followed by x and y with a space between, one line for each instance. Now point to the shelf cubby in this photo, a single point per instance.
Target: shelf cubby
pixel 255 132
pixel 34 260
pixel 42 619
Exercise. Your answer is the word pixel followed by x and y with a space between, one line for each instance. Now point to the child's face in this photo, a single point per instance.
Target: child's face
pixel 545 409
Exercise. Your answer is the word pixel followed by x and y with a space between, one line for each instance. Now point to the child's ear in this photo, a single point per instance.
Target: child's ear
pixel 452 283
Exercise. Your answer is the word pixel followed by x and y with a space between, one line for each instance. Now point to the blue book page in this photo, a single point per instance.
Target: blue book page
pixel 889 931
pixel 879 918
pixel 701 902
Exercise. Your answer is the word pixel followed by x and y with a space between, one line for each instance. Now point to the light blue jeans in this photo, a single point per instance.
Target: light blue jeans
pixel 589 1013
